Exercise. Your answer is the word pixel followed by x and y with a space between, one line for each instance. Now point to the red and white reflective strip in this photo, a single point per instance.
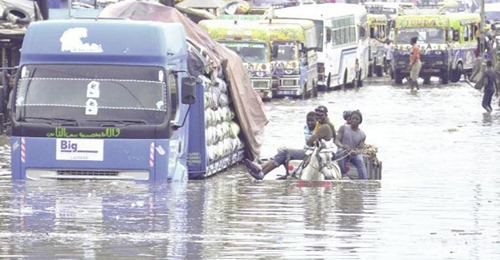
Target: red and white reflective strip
pixel 23 149
pixel 151 155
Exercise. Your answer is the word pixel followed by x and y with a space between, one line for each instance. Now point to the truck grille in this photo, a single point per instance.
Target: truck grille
pixel 87 173
pixel 72 174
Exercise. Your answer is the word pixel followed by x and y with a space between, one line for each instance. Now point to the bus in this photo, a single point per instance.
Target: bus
pixel 287 66
pixel 391 10
pixel 342 41
pixel 447 43
pixel 378 28
pixel 492 13
pixel 251 43
pixel 294 58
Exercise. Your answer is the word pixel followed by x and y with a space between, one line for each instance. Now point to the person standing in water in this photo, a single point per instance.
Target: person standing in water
pixel 388 56
pixel 415 63
pixel 490 86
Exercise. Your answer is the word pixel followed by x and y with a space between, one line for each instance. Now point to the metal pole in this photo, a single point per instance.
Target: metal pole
pixel 70 6
pixel 483 33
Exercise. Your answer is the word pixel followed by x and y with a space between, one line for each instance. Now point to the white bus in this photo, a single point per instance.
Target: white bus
pixel 343 55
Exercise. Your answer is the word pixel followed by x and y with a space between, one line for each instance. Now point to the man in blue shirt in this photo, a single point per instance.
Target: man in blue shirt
pixel 309 126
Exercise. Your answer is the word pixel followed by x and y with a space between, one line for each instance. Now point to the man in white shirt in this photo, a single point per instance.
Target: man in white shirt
pixel 388 56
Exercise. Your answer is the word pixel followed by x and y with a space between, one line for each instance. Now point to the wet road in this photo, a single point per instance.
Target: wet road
pixel 438 197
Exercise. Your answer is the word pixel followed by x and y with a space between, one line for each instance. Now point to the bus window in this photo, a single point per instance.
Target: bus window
pixel 373 32
pixel 381 30
pixel 456 37
pixel 362 32
pixel 337 36
pixel 328 35
pixel 465 33
pixel 284 51
pixel 471 32
pixel 274 52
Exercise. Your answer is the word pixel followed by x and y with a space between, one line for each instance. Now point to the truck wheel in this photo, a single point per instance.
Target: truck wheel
pixel 379 71
pixel 456 74
pixel 314 89
pixel 427 80
pixel 398 77
pixel 344 84
pixel 328 82
pixel 445 76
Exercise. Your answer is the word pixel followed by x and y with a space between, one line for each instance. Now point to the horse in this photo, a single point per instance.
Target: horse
pixel 318 165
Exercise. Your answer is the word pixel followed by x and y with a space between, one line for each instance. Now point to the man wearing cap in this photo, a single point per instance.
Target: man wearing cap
pixel 322 113
pixel 322 132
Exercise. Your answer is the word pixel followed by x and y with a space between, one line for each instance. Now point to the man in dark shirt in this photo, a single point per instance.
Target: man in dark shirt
pixel 322 132
pixel 490 85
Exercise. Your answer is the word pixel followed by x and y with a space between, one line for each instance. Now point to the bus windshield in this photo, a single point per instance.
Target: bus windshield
pixel 87 94
pixel 284 51
pixel 250 52
pixel 425 35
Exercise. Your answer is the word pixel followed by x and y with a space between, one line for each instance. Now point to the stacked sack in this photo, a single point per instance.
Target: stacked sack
pixel 224 146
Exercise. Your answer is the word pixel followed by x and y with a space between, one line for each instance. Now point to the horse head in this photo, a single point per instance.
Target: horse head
pixel 311 168
pixel 318 167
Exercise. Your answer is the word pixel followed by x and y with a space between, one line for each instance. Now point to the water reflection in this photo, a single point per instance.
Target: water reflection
pixel 97 220
pixel 199 219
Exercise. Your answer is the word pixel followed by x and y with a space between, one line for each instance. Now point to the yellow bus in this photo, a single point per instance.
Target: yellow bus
pixel 378 31
pixel 279 54
pixel 447 43
pixel 251 43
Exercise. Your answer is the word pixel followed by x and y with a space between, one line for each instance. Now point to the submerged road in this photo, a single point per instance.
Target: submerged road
pixel 438 197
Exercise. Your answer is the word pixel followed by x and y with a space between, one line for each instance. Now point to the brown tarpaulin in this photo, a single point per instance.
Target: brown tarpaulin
pixel 248 105
pixel 201 4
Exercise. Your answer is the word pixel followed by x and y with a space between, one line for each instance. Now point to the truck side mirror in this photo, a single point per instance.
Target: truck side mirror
pixel 188 90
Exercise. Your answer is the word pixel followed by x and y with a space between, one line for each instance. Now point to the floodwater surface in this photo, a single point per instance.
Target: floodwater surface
pixel 438 197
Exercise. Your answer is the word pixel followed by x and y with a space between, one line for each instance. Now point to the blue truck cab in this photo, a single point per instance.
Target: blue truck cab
pixel 103 99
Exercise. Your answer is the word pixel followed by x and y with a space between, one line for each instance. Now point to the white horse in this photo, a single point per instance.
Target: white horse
pixel 318 165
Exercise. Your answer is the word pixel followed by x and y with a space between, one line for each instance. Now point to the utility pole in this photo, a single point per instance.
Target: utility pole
pixel 479 66
pixel 483 33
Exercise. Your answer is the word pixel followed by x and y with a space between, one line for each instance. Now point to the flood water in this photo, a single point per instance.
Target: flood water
pixel 438 197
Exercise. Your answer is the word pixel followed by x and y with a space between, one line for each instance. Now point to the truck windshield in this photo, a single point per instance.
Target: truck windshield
pixel 284 51
pixel 91 94
pixel 250 52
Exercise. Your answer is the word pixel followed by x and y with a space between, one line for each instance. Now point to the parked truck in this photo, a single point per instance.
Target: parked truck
pixel 88 105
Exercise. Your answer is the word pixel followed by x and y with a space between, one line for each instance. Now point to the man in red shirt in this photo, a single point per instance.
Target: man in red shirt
pixel 415 64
